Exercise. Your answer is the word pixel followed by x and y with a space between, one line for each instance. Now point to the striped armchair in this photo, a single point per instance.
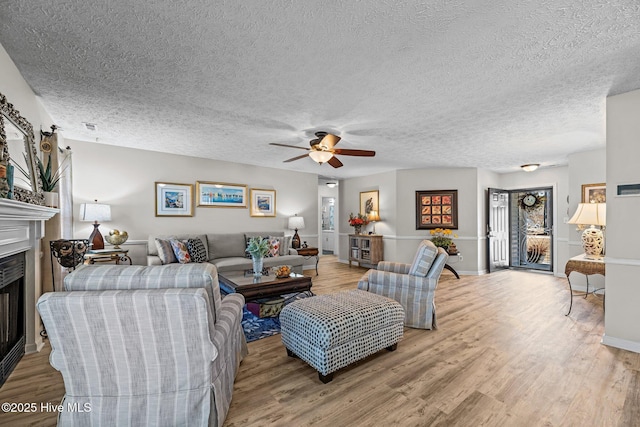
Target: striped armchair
pixel 412 285
pixel 145 345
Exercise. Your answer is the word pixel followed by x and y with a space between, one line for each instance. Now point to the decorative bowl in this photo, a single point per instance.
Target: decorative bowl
pixel 282 271
pixel 116 238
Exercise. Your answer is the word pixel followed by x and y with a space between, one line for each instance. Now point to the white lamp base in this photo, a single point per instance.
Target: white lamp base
pixel 593 242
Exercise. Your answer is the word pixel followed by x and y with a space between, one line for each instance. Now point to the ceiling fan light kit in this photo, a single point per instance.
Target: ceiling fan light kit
pixel 322 150
pixel 321 156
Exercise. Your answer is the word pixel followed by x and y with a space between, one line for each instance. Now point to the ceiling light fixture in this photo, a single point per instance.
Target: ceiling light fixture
pixel 332 184
pixel 530 167
pixel 321 156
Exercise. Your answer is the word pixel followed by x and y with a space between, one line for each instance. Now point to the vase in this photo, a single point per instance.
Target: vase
pixel 257 266
pixel 51 199
pixel 357 229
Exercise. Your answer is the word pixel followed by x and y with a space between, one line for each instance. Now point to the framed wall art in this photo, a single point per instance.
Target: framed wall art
pixel 263 202
pixel 594 193
pixel 436 209
pixel 221 195
pixel 369 201
pixel 174 199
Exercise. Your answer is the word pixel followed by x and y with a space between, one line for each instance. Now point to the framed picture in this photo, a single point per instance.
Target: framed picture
pixel 594 193
pixel 174 199
pixel 221 195
pixel 369 202
pixel 263 202
pixel 436 209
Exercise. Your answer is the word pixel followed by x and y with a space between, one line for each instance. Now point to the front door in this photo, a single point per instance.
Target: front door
pixel 498 229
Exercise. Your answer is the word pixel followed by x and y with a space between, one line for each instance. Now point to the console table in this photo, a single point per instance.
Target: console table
pixel 309 252
pixel 365 249
pixel 586 266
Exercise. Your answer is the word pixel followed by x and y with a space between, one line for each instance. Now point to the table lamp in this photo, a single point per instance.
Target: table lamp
pixel 296 223
pixel 96 212
pixel 591 214
pixel 373 217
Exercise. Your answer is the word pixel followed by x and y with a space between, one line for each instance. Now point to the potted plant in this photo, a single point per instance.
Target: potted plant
pixel 357 221
pixel 258 248
pixel 442 237
pixel 48 177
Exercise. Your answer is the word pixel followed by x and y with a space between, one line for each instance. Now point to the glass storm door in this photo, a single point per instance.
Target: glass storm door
pixel 532 229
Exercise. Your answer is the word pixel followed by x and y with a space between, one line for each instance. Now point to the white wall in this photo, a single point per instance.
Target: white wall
pixel 125 177
pixel 622 315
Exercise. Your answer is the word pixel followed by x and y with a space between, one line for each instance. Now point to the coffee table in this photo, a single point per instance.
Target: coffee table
pixel 263 287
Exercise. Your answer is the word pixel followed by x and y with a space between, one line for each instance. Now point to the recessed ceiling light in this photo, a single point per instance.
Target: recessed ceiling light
pixel 331 184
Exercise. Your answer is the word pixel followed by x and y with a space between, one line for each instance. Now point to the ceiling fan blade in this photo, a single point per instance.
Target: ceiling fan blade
pixel 348 152
pixel 295 158
pixel 335 162
pixel 288 146
pixel 329 141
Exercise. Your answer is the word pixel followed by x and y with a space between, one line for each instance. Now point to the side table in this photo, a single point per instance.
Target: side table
pixel 308 253
pixel 451 258
pixel 586 266
pixel 107 255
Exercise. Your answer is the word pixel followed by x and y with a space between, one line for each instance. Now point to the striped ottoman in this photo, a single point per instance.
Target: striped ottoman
pixel 332 331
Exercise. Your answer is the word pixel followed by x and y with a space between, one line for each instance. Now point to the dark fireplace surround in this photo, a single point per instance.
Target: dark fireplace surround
pixel 12 313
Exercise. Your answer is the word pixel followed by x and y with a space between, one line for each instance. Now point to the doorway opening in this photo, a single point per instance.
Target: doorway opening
pixel 520 229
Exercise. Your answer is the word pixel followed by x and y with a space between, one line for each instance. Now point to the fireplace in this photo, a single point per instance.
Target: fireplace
pixel 21 230
pixel 12 316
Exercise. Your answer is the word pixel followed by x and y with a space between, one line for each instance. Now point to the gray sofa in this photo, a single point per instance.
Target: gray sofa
pixel 226 251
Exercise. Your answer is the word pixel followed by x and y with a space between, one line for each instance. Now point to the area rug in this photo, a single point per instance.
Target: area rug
pixel 256 328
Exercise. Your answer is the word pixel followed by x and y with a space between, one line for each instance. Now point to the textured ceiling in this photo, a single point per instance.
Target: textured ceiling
pixel 488 83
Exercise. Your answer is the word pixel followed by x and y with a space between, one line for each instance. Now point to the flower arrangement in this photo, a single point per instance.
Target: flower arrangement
pixel 442 237
pixel 358 220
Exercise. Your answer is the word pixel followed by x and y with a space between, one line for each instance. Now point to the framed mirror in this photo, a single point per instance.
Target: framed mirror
pixel 17 147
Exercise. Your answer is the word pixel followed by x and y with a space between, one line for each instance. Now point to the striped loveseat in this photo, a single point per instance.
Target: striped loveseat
pixel 145 345
pixel 412 285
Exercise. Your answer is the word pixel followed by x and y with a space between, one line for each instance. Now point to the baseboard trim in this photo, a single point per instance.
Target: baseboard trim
pixel 620 343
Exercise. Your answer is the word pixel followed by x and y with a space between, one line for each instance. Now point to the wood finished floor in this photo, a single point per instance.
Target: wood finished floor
pixel 504 355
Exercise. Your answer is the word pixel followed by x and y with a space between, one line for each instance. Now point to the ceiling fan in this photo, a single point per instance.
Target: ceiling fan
pixel 322 150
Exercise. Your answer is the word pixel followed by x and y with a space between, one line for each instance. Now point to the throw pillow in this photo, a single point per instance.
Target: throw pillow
pixel 181 252
pixel 197 251
pixel 165 251
pixel 274 246
pixel 285 244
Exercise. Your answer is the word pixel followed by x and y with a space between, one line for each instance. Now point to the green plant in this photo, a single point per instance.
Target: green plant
pixel 441 237
pixel 48 177
pixel 258 247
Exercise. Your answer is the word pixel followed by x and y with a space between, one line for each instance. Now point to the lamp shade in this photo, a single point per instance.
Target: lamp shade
pixel 590 214
pixel 373 216
pixel 321 156
pixel 95 212
pixel 296 223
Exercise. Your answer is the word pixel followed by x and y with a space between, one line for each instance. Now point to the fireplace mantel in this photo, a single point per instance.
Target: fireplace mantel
pixel 21 229
pixel 17 211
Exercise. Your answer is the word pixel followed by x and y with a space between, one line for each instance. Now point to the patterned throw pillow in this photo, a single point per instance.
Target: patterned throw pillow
pixel 181 252
pixel 165 251
pixel 274 247
pixel 196 250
